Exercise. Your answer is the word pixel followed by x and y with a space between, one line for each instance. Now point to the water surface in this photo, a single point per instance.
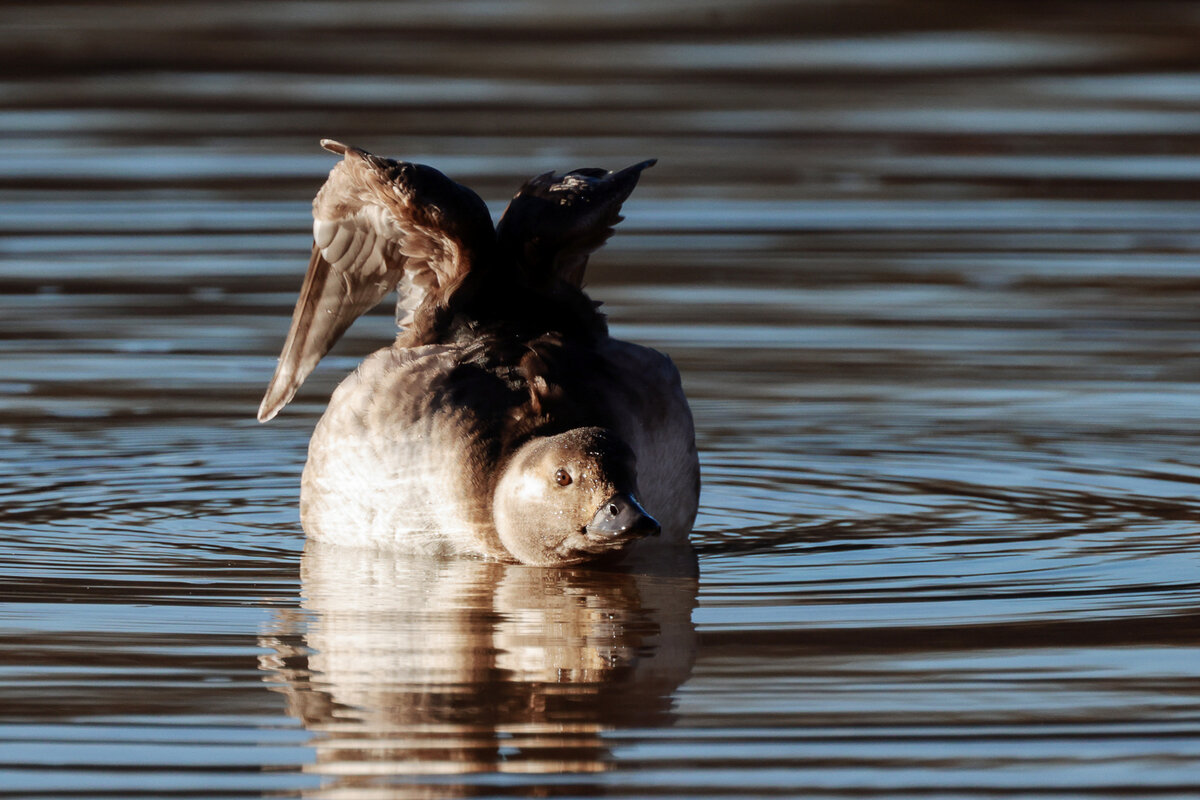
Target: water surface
pixel 929 272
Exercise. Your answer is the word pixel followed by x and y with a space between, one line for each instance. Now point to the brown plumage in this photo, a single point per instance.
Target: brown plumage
pixel 378 224
pixel 504 368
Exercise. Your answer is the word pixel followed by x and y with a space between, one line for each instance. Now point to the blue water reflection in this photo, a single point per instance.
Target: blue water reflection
pixel 930 275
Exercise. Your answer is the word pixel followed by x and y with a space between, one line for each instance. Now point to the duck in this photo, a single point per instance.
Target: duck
pixel 504 422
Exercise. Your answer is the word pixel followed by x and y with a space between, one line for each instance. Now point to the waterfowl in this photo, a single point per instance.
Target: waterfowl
pixel 504 422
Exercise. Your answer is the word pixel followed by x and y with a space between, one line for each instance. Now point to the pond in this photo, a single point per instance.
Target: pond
pixel 930 271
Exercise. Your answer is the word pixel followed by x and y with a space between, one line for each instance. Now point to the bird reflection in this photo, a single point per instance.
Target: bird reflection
pixel 405 666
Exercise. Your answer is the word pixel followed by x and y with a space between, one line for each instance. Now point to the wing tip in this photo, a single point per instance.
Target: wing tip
pixel 334 146
pixel 634 171
pixel 271 404
pixel 283 386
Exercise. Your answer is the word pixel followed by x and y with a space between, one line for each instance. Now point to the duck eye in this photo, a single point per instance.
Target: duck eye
pixel 562 478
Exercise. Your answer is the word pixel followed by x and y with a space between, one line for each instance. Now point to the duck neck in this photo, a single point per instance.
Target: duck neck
pixel 494 298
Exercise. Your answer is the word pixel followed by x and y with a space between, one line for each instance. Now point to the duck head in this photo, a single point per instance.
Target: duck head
pixel 570 498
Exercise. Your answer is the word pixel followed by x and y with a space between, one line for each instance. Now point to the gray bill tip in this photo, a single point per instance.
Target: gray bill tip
pixel 622 515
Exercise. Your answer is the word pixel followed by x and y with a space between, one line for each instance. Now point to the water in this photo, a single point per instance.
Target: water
pixel 930 274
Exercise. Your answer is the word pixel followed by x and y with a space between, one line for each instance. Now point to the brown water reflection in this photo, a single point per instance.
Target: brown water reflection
pixel 403 666
pixel 929 270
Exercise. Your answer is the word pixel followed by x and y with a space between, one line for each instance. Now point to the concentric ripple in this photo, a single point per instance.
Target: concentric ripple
pixel 929 271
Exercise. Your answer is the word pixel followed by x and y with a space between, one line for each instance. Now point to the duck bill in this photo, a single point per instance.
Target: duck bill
pixel 622 517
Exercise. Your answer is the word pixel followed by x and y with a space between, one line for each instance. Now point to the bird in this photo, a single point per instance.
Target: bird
pixel 504 422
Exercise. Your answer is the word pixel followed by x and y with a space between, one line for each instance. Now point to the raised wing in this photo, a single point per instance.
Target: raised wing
pixel 555 222
pixel 378 224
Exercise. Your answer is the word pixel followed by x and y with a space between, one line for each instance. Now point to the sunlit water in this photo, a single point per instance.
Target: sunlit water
pixel 931 276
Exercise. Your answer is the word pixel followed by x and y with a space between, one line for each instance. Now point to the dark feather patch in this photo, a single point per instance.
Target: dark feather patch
pixel 555 222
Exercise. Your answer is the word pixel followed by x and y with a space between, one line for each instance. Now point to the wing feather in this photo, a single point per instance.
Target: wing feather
pixel 377 224
pixel 555 221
